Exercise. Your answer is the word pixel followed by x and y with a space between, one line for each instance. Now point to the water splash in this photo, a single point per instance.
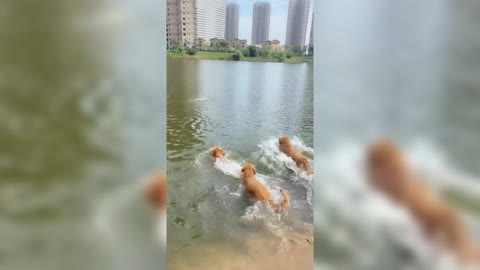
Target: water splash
pixel 110 210
pixel 199 99
pixel 271 157
pixel 229 167
pixel 280 225
pixel 161 229
pixel 350 216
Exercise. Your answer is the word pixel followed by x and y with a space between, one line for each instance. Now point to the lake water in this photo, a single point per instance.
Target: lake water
pixel 243 107
pixel 80 124
pixel 407 70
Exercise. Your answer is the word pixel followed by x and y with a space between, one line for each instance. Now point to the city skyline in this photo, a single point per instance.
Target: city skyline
pixel 278 19
pixel 209 20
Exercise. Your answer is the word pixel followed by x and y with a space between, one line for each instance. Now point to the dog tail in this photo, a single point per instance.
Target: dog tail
pixel 283 205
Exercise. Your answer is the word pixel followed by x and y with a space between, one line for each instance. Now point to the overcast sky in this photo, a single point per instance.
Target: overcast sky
pixel 278 19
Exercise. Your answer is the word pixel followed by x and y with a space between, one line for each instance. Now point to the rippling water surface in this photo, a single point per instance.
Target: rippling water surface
pixel 80 103
pixel 244 107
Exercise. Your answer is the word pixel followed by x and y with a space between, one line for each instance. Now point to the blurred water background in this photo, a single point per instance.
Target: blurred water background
pixel 406 70
pixel 82 120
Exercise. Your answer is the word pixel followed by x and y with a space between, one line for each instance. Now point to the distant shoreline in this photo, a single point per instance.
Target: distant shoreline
pixel 226 56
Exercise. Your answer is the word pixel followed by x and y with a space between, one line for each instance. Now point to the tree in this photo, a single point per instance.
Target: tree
pixel 192 51
pixel 289 53
pixel 266 51
pixel 252 51
pixel 297 50
pixel 237 56
pixel 224 44
pixel 180 49
pixel 282 57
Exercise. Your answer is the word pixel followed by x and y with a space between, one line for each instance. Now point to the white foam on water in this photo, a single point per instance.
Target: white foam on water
pixel 273 158
pixel 261 211
pixel 109 210
pixel 439 172
pixel 161 229
pixel 199 99
pixel 234 168
pixel 351 215
pixel 229 167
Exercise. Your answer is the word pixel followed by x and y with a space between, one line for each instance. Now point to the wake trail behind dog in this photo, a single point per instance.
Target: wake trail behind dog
pixel 365 217
pixel 271 156
pixel 229 167
pixel 288 233
pixel 234 168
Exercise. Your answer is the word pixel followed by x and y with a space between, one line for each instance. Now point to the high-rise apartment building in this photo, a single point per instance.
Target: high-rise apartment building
pixel 261 22
pixel 231 24
pixel 297 22
pixel 310 43
pixel 181 23
pixel 211 18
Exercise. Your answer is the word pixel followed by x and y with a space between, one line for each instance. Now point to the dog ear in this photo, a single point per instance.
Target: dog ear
pixel 254 171
pixel 212 152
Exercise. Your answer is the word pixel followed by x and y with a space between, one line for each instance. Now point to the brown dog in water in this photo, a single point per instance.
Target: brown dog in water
pixel 389 173
pixel 217 152
pixel 156 191
pixel 156 194
pixel 259 191
pixel 287 148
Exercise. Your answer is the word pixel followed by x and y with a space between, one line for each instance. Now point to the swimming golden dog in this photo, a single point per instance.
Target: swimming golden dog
pixel 156 194
pixel 287 148
pixel 259 191
pixel 217 152
pixel 389 173
pixel 156 191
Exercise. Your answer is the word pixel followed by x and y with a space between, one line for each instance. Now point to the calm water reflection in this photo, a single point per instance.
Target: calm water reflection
pixel 211 102
pixel 80 103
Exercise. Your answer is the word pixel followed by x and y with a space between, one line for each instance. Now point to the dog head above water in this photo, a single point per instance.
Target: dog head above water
pixel 248 170
pixel 284 143
pixel 387 168
pixel 217 152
